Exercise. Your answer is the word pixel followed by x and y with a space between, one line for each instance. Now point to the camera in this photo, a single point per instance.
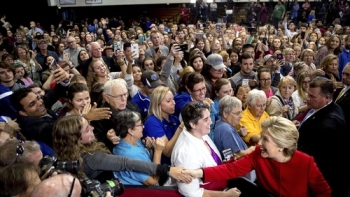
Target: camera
pixel 60 166
pixel 94 188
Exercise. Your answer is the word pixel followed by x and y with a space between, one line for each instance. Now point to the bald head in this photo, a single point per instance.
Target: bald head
pixel 58 186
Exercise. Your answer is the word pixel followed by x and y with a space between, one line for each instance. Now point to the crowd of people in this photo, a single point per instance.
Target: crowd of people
pixel 177 104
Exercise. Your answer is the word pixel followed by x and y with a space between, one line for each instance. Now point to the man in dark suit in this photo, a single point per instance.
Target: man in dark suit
pixel 96 53
pixel 343 99
pixel 346 15
pixel 323 135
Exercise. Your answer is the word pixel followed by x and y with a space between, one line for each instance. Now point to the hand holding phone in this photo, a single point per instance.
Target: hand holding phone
pixel 227 154
pixel 53 65
pixel 135 50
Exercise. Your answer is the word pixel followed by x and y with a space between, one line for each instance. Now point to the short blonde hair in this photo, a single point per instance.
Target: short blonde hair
pixel 283 132
pixel 307 52
pixel 287 80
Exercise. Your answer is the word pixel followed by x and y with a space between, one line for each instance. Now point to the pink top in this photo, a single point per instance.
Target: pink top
pixel 27 81
pixel 269 94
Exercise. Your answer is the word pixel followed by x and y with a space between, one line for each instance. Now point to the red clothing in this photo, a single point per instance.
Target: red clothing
pixel 292 178
pixel 184 14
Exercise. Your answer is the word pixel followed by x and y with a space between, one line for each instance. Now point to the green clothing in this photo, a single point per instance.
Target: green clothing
pixel 278 11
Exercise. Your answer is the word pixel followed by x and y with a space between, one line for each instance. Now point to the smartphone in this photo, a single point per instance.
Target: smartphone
pixel 66 57
pixel 199 35
pixel 279 56
pixel 227 153
pixel 183 47
pixel 135 50
pixel 117 46
pixel 53 65
pixel 264 41
pixel 302 34
pixel 245 82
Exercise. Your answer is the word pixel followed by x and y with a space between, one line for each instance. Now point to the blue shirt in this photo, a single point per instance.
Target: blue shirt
pixel 142 102
pixel 135 152
pixel 156 128
pixel 225 136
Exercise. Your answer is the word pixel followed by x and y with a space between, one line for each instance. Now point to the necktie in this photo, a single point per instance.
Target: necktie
pixel 307 116
pixel 340 94
pixel 214 155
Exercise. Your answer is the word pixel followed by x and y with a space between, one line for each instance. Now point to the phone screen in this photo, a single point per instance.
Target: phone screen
pixel 53 65
pixel 227 154
pixel 135 50
pixel 280 56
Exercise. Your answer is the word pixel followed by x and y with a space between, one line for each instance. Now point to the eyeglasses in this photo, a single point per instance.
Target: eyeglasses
pixel 71 188
pixel 346 74
pixel 199 90
pixel 265 80
pixel 261 106
pixel 118 97
pixel 9 60
pixel 237 113
pixel 306 82
pixel 140 125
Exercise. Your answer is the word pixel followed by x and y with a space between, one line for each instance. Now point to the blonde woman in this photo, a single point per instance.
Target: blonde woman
pixel 300 94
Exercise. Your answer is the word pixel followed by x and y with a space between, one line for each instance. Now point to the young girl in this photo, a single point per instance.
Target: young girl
pixel 22 75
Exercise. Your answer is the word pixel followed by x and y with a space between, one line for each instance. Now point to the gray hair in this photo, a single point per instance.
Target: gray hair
pixel 228 103
pixel 107 88
pixel 255 95
pixel 8 151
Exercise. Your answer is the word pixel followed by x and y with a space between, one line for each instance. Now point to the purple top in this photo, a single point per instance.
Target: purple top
pixel 214 155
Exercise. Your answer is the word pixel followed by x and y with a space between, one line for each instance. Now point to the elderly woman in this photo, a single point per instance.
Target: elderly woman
pixel 275 159
pixel 253 116
pixel 161 123
pixel 308 56
pixel 129 127
pixel 194 149
pixel 225 134
pixel 97 161
pixel 283 104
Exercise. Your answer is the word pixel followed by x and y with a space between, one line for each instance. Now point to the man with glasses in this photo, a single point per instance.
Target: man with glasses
pixel 73 50
pixel 44 51
pixel 115 93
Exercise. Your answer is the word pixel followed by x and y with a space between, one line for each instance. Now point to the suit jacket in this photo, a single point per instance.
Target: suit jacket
pixel 323 135
pixel 112 66
pixel 344 103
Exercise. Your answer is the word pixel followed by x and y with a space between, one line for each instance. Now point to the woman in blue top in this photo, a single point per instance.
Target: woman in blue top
pixel 160 122
pixel 129 126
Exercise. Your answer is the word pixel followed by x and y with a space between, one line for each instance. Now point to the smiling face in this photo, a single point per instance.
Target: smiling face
pixel 33 106
pixel 203 125
pixel 198 92
pixel 80 99
pixel 136 72
pixel 268 147
pixel 99 69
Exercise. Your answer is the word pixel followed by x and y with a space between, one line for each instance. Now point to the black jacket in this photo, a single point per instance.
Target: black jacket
pixel 40 128
pixel 101 127
pixel 324 136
